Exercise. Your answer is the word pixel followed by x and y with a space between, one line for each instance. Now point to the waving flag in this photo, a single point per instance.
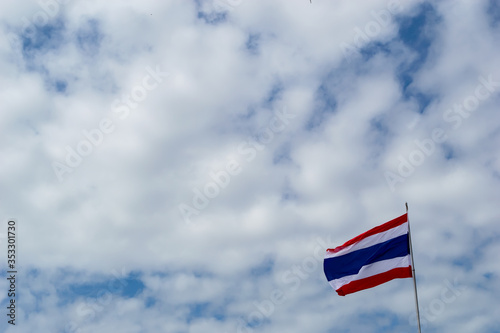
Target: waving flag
pixel 377 256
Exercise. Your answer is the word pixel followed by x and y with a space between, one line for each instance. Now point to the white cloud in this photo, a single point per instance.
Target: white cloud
pixel 323 175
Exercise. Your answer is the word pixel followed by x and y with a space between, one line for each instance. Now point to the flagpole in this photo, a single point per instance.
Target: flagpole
pixel 413 269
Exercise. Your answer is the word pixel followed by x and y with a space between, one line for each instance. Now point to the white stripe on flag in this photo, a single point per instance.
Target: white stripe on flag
pixel 372 269
pixel 371 240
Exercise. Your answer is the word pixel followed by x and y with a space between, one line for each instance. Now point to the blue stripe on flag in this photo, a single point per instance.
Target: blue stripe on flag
pixel 351 263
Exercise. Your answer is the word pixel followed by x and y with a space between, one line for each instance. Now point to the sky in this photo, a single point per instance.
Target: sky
pixel 181 166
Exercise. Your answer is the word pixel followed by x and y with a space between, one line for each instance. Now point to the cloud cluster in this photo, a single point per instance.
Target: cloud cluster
pixel 200 201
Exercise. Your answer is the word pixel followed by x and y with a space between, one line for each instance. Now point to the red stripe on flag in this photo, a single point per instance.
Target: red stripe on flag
pixel 378 229
pixel 375 280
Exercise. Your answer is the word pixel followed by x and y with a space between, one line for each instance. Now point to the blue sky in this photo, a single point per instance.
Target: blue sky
pixel 181 166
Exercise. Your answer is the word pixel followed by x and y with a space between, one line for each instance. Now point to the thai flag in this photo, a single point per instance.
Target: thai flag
pixel 379 255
